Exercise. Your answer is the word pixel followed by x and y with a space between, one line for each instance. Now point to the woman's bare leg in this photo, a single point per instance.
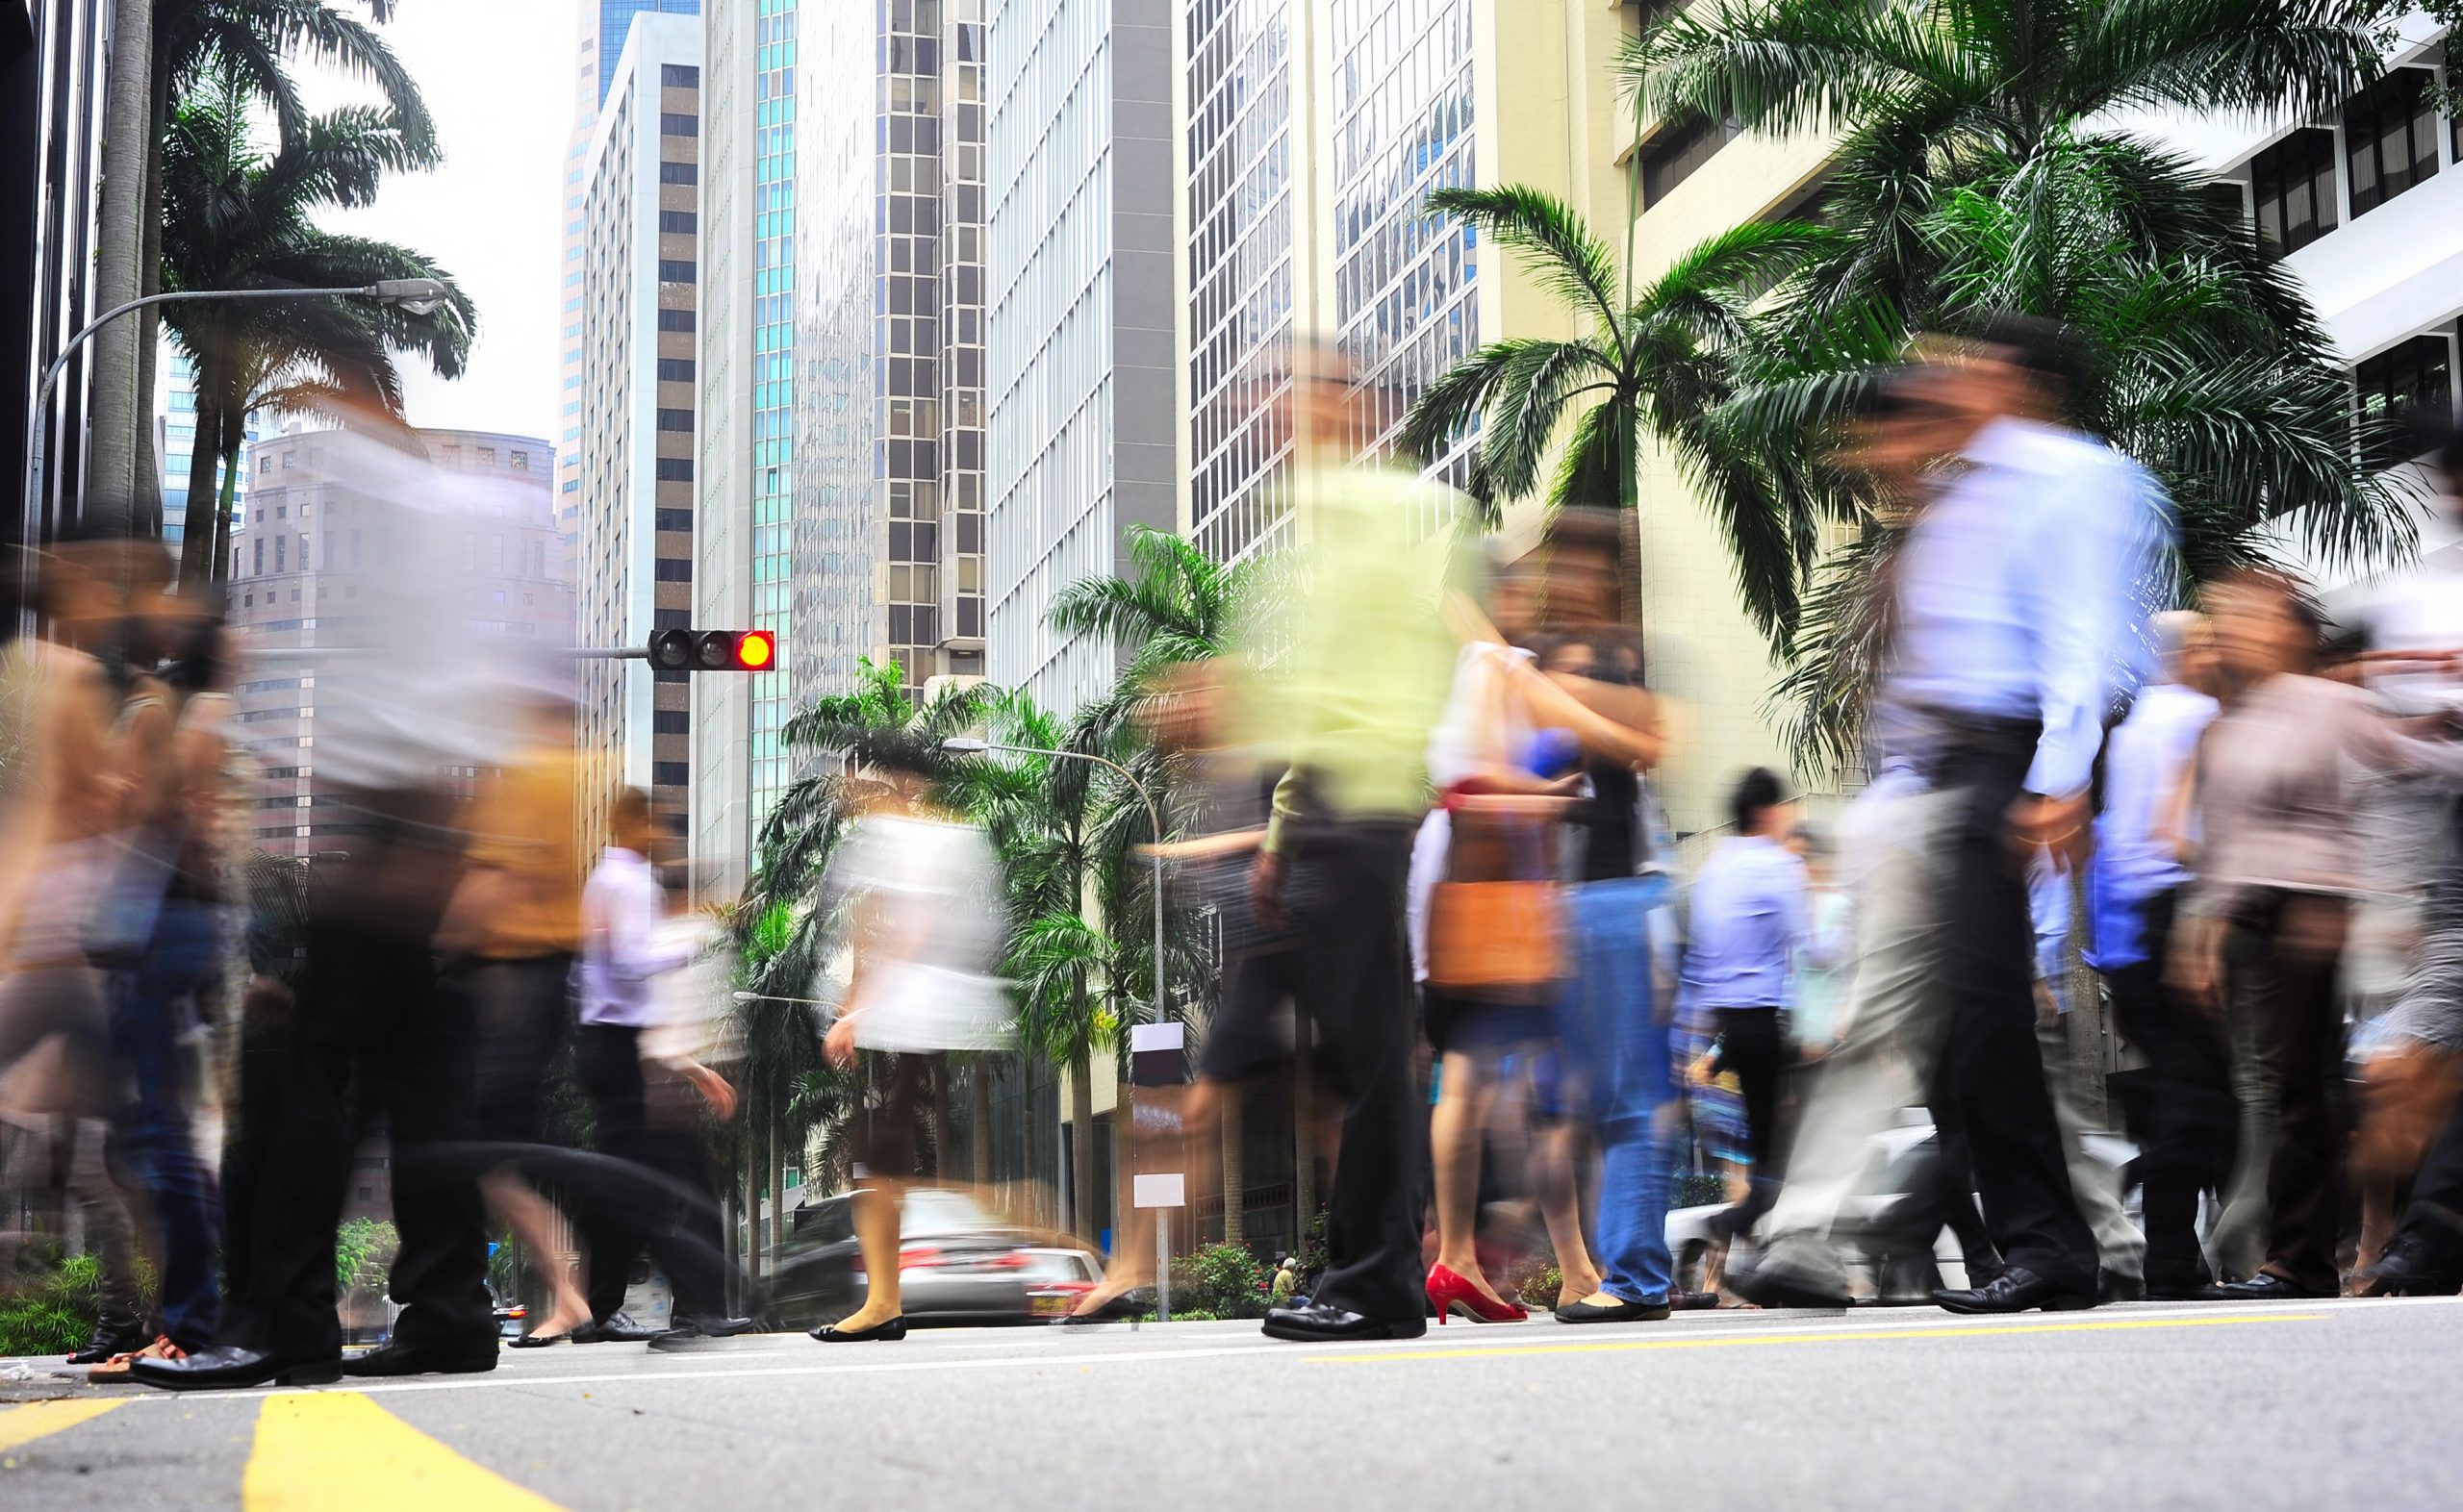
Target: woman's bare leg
pixel 876 1206
pixel 532 1218
pixel 1133 1262
pixel 1561 1163
pixel 1463 1100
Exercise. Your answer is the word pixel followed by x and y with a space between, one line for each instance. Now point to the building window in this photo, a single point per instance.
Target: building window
pixel 675 420
pixel 671 721
pixel 672 270
pixel 521 461
pixel 677 519
pixel 2390 138
pixel 679 173
pixel 675 320
pixel 676 123
pixel 671 571
pixel 678 222
pixel 675 369
pixel 675 469
pixel 2292 189
pixel 680 76
pixel 2405 384
pixel 671 773
pixel 670 618
pixel 1670 158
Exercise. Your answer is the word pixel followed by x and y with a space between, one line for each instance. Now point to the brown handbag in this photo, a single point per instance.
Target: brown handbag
pixel 1486 938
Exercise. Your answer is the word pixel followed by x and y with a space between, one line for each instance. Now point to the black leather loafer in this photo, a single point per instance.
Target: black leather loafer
pixel 1319 1322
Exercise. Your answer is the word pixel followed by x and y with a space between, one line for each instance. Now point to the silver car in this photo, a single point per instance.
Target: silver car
pixel 955 1264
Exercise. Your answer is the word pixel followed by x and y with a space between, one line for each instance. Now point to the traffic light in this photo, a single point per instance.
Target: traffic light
pixel 714 651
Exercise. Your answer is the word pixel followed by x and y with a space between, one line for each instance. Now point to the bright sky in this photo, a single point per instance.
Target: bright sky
pixel 496 76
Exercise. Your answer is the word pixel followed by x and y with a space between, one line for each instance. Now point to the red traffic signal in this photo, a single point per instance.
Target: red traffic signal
pixel 714 651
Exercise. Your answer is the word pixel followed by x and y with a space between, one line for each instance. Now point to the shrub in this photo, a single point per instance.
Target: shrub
pixel 1539 1285
pixel 1220 1281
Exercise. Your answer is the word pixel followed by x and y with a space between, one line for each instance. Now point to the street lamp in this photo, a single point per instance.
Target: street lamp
pixel 418 295
pixel 968 746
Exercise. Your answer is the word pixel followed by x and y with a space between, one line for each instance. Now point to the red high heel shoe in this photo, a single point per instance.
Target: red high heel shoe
pixel 1448 1293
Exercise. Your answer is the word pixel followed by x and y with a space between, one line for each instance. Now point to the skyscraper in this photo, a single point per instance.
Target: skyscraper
pixel 1084 432
pixel 175 448
pixel 640 287
pixel 889 288
pixel 747 463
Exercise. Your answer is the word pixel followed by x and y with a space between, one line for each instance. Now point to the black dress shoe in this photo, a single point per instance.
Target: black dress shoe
pixel 226 1366
pixel 2409 1269
pixel 1909 1280
pixel 1621 1311
pixel 690 1330
pixel 2016 1290
pixel 2263 1287
pixel 617 1327
pixel 424 1359
pixel 887 1331
pixel 111 1338
pixel 2188 1288
pixel 1320 1322
pixel 2112 1286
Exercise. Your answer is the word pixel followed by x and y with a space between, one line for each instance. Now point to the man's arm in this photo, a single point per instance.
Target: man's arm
pixel 2086 558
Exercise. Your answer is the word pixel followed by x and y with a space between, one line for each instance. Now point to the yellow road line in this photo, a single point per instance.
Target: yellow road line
pixel 325 1448
pixel 1830 1336
pixel 30 1421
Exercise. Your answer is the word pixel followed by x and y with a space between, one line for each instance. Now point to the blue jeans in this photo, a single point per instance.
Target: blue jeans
pixel 153 1127
pixel 1615 1037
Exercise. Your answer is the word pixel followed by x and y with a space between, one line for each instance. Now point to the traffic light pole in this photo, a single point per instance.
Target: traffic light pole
pixel 307 653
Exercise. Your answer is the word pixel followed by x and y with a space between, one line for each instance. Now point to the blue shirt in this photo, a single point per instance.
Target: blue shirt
pixel 2021 595
pixel 2151 750
pixel 1749 922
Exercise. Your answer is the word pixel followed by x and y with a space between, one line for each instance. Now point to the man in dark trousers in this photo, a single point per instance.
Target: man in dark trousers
pixel 2013 594
pixel 654 1190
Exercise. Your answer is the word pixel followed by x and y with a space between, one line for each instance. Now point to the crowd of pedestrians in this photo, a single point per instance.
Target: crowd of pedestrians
pixel 1426 819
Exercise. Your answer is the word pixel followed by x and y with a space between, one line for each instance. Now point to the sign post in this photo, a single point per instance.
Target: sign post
pixel 1158 1068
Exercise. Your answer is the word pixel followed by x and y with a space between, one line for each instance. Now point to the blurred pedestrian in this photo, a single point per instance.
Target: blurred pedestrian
pixel 925 890
pixel 1750 919
pixel 2264 923
pixel 365 1035
pixel 2007 608
pixel 2183 1116
pixel 654 1190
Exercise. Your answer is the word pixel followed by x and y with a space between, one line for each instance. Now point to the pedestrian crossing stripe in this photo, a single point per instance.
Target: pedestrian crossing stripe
pixel 322 1449
pixel 33 1419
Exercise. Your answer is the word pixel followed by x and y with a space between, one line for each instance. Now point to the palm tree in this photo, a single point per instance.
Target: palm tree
pixel 1648 368
pixel 1968 181
pixel 235 218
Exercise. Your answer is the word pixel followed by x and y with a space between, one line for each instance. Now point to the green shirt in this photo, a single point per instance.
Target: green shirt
pixel 1361 657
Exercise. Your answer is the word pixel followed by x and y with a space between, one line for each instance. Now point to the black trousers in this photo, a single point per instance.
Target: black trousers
pixel 1752 1045
pixel 2280 961
pixel 653 1189
pixel 2434 1216
pixel 1990 1066
pixel 1350 975
pixel 2187 1121
pixel 367 1037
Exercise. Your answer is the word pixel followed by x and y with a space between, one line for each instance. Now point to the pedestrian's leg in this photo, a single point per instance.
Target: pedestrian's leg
pixel 2121 1248
pixel 419 1060
pixel 611 1203
pixel 154 1127
pixel 1991 1066
pixel 111 1240
pixel 1466 1095
pixel 1352 984
pixel 2304 1182
pixel 1754 1049
pixel 2238 1241
pixel 1613 1032
pixel 889 1162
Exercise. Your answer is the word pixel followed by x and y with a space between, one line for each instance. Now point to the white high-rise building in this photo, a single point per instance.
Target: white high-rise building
pixel 641 279
pixel 1085 372
pixel 175 448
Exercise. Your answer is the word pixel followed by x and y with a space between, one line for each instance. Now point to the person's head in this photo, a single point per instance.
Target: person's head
pixel 1813 848
pixel 1581 557
pixel 1328 403
pixel 1185 705
pixel 1757 806
pixel 1568 655
pixel 2003 367
pixel 2263 624
pixel 2186 644
pixel 1901 430
pixel 92 572
pixel 629 826
pixel 1513 601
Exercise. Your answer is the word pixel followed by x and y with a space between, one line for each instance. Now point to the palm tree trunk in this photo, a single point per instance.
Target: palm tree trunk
pixel 940 1106
pixel 1235 1180
pixel 752 1199
pixel 777 1184
pixel 979 1112
pixel 120 247
pixel 203 546
pixel 1081 1151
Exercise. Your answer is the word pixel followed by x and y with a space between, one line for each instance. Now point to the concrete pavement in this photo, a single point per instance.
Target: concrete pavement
pixel 2336 1403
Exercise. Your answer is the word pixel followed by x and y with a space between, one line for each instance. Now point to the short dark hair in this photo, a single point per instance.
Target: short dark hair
pixel 629 806
pixel 2047 350
pixel 1756 791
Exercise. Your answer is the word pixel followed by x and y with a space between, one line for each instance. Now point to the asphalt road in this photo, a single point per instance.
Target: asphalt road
pixel 2316 1405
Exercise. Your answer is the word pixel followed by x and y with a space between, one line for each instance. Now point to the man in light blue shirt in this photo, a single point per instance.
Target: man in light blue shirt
pixel 2012 632
pixel 1749 920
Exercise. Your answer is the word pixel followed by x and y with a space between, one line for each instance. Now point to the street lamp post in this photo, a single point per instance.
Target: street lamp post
pixel 961 744
pixel 418 295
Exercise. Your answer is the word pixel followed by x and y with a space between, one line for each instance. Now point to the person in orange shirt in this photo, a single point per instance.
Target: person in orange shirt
pixel 510 937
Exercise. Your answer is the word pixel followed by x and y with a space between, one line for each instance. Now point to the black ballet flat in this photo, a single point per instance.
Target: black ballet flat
pixel 539 1341
pixel 1127 1304
pixel 886 1333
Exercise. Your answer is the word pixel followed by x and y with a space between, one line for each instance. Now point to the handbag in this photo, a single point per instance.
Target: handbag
pixel 1495 926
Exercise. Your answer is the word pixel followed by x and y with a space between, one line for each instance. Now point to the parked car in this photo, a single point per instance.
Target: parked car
pixel 956 1264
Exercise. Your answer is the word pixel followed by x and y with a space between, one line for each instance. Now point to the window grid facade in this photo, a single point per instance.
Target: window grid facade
pixel 2390 138
pixel 2292 189
pixel 777 33
pixel 1240 227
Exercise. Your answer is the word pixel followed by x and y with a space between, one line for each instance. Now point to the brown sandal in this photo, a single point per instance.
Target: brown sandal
pixel 119 1367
